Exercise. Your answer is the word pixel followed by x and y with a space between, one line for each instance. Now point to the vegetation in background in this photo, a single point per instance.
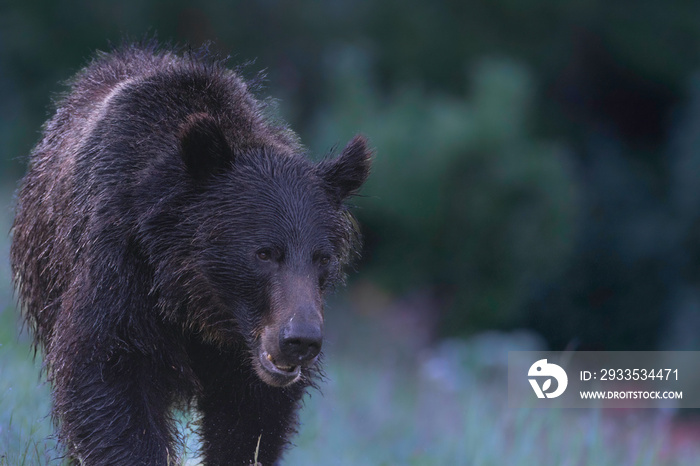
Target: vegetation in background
pixel 462 200
pixel 488 185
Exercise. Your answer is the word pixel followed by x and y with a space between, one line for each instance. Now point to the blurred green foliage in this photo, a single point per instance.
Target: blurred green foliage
pixel 485 116
pixel 462 197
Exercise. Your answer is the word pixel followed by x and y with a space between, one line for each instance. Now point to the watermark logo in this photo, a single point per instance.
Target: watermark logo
pixel 603 379
pixel 547 371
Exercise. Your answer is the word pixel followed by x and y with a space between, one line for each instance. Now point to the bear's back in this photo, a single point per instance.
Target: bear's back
pixel 143 94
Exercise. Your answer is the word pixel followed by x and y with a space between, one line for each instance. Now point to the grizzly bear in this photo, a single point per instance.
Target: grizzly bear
pixel 172 247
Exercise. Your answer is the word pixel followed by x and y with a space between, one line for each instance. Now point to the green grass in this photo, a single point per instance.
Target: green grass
pixel 383 405
pixel 24 401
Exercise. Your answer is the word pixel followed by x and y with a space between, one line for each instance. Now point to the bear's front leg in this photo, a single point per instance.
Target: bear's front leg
pixel 238 409
pixel 114 411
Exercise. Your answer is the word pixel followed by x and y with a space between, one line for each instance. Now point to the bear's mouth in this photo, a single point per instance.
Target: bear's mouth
pixel 277 374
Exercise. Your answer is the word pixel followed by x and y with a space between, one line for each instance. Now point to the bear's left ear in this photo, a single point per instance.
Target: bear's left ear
pixel 203 147
pixel 345 174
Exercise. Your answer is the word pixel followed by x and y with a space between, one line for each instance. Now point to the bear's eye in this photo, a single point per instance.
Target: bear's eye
pixel 264 254
pixel 324 260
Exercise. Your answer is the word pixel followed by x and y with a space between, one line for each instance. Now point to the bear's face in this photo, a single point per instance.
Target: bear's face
pixel 272 237
pixel 275 245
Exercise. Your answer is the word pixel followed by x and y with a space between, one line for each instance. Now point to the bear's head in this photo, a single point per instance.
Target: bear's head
pixel 267 235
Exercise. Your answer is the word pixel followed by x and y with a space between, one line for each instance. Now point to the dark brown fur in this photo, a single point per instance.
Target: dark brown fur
pixel 171 243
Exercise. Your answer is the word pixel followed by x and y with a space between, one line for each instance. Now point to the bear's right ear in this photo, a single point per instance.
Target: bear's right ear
pixel 203 147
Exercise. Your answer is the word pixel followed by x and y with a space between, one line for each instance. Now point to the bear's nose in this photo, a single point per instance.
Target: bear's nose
pixel 300 342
